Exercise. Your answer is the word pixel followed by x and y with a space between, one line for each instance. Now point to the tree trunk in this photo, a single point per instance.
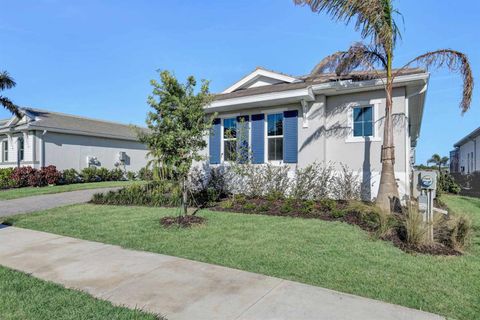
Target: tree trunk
pixel 387 196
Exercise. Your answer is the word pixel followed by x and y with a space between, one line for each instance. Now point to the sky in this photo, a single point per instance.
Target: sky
pixel 95 58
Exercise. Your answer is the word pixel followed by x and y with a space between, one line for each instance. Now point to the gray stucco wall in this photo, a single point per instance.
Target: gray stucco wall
pixel 326 136
pixel 67 151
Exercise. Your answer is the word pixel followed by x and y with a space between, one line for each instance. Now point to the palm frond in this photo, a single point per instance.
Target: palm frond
pixel 6 82
pixel 329 63
pixel 10 106
pixel 374 18
pixel 358 55
pixel 455 61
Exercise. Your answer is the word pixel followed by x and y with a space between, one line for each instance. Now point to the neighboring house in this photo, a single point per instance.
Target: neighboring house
pixel 41 138
pixel 465 158
pixel 321 117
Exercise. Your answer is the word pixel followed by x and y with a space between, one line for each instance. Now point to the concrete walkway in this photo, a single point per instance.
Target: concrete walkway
pixel 47 201
pixel 179 288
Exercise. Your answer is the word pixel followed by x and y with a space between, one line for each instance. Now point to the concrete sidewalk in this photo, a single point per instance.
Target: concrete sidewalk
pixel 47 201
pixel 179 288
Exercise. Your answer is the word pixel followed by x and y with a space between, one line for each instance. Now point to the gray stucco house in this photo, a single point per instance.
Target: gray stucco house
pixel 465 158
pixel 320 117
pixel 41 138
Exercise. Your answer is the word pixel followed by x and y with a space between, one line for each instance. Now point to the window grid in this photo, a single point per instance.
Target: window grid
pixel 363 121
pixel 275 137
pixel 229 139
pixel 21 149
pixel 5 151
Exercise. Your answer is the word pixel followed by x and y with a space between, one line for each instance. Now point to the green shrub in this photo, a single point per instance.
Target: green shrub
pixel 249 206
pixel 227 204
pixel 89 174
pixel 70 176
pixel 328 204
pixel 240 199
pixel 6 180
pixel 307 207
pixel 372 217
pixel 145 174
pixel 116 174
pixel 454 231
pixel 131 175
pixel 264 207
pixel 152 194
pixel 103 174
pixel 446 184
pixel 336 213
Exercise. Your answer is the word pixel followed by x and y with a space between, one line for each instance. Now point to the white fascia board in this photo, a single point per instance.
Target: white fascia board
pixel 367 85
pixel 261 100
pixel 81 133
pixel 257 74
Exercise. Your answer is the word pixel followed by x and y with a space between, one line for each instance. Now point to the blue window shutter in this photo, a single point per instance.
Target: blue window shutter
pixel 215 141
pixel 258 138
pixel 290 136
pixel 242 139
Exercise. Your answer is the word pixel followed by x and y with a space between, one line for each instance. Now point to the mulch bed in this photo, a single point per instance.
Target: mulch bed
pixel 182 221
pixel 339 211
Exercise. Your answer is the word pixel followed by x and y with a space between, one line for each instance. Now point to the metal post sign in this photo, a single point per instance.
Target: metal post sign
pixel 426 182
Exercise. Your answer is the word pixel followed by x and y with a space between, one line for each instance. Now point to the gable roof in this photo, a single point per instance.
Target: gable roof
pixel 472 135
pixel 253 79
pixel 64 123
pixel 309 80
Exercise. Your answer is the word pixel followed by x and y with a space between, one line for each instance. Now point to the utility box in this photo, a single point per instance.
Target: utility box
pixel 424 180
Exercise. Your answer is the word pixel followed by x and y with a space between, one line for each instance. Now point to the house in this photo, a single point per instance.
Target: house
pixel 465 158
pixel 41 138
pixel 321 118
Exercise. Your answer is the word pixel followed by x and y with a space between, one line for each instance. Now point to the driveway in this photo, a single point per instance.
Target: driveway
pixel 181 289
pixel 47 201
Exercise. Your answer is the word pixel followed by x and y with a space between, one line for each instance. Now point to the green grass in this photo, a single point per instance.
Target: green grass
pixel 329 254
pixel 32 191
pixel 23 297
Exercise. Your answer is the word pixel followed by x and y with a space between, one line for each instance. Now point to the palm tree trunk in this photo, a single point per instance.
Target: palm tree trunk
pixel 388 191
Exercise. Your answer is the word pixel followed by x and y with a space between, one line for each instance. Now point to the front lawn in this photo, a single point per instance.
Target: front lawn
pixel 334 255
pixel 23 297
pixel 35 191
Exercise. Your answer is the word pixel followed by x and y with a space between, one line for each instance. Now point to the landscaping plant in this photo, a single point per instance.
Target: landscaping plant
pixel 6 180
pixel 6 82
pixel 376 19
pixel 177 128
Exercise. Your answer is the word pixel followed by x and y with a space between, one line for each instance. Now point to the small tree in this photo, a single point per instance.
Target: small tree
pixel 177 128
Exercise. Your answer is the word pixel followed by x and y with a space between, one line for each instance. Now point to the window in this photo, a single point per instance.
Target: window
pixel 275 137
pixel 363 121
pixel 21 149
pixel 5 151
pixel 229 139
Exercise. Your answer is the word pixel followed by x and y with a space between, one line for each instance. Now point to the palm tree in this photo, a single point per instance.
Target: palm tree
pixel 6 82
pixel 438 161
pixel 376 21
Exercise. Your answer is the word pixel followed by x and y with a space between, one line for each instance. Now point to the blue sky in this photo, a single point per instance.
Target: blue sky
pixel 96 57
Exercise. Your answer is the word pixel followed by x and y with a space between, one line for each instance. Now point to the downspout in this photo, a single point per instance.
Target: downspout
pixel 42 149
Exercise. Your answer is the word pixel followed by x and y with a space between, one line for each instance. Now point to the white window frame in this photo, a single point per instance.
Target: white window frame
pixel 375 104
pixel 266 113
pixel 19 150
pixel 5 143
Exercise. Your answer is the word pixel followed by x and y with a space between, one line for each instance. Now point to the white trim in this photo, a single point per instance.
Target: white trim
pixel 266 137
pixel 375 103
pixel 256 74
pixel 222 147
pixel 308 93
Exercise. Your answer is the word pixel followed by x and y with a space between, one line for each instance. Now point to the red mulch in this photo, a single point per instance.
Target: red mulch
pixel 182 221
pixel 319 210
